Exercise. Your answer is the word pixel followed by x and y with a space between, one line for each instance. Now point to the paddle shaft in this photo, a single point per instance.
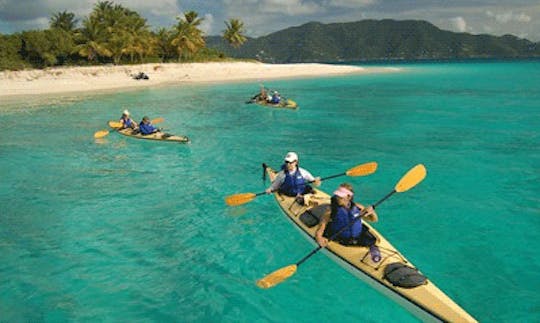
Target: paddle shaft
pixel 335 235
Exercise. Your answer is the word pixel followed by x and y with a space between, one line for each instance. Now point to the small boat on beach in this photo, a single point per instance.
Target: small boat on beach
pixel 159 136
pixel 393 275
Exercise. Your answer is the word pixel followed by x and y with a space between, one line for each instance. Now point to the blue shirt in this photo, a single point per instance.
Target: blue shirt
pixel 146 129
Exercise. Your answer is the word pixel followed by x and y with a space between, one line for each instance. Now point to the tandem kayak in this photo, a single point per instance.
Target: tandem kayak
pixel 160 136
pixel 391 275
pixel 284 104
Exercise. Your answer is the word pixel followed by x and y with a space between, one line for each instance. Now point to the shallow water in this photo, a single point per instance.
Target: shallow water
pixel 121 229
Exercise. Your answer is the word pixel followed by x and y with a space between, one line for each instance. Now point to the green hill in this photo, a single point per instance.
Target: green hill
pixel 374 40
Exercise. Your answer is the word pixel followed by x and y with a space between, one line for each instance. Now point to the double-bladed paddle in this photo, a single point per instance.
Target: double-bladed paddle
pixel 115 125
pixel 360 170
pixel 414 176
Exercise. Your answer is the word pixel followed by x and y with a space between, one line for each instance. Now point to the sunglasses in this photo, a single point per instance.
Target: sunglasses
pixel 290 162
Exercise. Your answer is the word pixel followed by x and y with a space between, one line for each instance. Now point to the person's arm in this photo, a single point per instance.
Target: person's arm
pixel 322 241
pixel 310 178
pixel 276 183
pixel 371 215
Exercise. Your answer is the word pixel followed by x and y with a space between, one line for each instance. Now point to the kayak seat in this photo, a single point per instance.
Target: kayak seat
pixel 312 217
pixel 401 275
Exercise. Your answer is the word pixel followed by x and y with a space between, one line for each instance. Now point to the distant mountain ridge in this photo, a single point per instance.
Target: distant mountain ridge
pixel 374 40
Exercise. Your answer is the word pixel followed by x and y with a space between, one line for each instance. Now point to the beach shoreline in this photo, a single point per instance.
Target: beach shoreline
pixel 39 85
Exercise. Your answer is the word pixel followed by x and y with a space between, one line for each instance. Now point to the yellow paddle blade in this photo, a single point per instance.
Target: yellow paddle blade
pixel 276 277
pixel 157 120
pixel 115 124
pixel 413 177
pixel 291 103
pixel 239 199
pixel 101 134
pixel 362 170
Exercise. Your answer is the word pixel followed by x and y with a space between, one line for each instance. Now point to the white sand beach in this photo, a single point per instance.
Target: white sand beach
pixel 71 80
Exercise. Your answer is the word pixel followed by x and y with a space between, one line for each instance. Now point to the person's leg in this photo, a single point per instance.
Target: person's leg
pixel 368 239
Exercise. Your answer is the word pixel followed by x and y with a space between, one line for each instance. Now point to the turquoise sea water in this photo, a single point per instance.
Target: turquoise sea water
pixel 127 230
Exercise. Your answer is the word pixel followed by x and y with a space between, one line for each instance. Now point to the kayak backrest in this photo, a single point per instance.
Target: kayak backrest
pixel 401 275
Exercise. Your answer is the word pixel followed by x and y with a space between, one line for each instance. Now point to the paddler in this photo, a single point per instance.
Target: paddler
pixel 146 127
pixel 343 210
pixel 293 180
pixel 126 120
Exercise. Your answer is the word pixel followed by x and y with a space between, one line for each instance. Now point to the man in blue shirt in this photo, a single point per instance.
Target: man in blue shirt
pixel 276 99
pixel 146 127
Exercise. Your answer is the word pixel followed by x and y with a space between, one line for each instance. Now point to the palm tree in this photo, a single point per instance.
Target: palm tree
pixel 188 36
pixel 234 33
pixel 102 10
pixel 139 39
pixel 63 20
pixel 117 37
pixel 92 40
pixel 163 42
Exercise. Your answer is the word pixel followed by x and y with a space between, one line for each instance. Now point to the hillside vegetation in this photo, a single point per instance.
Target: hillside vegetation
pixel 374 40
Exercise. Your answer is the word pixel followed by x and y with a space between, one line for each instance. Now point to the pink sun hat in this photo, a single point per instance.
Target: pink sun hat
pixel 343 192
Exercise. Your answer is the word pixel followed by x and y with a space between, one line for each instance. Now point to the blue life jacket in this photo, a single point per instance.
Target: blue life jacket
pixel 293 184
pixel 127 122
pixel 146 129
pixel 342 217
pixel 275 99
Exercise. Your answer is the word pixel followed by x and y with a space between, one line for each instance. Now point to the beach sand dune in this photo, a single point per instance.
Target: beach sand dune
pixel 65 80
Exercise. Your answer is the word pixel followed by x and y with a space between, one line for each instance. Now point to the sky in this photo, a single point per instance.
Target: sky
pixel 261 17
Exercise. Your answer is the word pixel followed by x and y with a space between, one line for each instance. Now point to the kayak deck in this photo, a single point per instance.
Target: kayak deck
pixel 159 136
pixel 426 301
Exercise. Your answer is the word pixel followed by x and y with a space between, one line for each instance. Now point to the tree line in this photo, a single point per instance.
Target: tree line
pixel 112 33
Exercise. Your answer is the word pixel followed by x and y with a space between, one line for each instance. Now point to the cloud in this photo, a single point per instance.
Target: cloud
pixel 459 24
pixel 244 8
pixel 21 10
pixel 18 15
pixel 509 16
pixel 350 3
pixel 289 7
pixel 26 11
pixel 206 25
pixel 264 16
pixel 155 7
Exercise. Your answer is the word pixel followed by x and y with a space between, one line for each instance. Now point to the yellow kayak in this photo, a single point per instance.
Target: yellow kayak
pixel 391 275
pixel 284 104
pixel 160 136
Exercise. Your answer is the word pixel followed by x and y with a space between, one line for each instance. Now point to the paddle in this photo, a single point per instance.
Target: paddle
pixel 257 97
pixel 157 120
pixel 253 99
pixel 117 125
pixel 102 133
pixel 414 176
pixel 360 170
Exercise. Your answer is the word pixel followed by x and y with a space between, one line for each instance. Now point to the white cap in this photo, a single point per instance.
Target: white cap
pixel 291 156
pixel 126 112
